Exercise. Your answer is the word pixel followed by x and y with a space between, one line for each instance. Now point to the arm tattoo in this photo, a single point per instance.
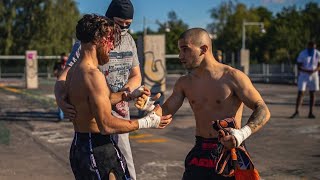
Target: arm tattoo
pixel 258 117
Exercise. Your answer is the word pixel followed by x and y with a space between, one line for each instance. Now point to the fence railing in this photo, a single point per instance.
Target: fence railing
pixel 14 66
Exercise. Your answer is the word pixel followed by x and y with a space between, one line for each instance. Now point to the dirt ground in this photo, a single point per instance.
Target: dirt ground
pixel 285 149
pixel 24 158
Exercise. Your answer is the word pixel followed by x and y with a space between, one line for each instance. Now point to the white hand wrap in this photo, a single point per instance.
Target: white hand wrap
pixel 151 120
pixel 241 134
pixel 149 105
pixel 137 92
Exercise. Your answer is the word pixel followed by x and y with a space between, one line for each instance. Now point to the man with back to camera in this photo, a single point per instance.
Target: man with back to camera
pixel 226 91
pixel 122 73
pixel 93 153
pixel 308 63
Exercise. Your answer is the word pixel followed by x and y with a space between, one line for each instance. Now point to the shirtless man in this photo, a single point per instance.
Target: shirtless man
pixel 93 153
pixel 220 92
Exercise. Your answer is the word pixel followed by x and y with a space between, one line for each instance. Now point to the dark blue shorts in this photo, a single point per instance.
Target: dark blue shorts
pixel 93 156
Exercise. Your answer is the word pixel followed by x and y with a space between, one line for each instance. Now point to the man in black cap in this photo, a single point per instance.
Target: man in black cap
pixel 122 73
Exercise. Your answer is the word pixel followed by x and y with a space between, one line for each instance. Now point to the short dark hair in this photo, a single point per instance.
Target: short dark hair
pixel 311 44
pixel 92 27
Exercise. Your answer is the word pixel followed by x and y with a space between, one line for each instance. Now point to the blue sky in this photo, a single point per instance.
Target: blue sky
pixel 195 13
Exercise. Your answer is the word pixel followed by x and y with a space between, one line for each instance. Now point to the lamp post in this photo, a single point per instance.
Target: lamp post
pixel 244 24
pixel 245 53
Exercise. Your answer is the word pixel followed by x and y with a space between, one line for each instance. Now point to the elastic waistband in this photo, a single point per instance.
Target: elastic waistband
pixel 96 139
pixel 206 143
pixel 200 139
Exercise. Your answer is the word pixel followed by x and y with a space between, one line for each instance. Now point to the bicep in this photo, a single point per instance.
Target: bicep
pixel 246 92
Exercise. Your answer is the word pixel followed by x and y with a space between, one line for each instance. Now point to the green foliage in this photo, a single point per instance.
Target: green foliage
pixel 287 32
pixel 177 27
pixel 44 25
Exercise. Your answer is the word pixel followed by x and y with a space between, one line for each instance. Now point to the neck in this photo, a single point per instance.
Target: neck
pixel 89 53
pixel 207 64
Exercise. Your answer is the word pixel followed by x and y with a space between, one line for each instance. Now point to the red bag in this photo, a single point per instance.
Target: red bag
pixel 235 162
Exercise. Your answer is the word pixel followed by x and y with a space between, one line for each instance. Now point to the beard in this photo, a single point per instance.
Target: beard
pixel 102 55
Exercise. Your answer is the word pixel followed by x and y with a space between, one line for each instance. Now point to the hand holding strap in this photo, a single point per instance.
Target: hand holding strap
pixel 137 92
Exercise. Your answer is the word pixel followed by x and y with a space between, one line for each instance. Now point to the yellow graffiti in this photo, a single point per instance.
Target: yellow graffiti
pixel 138 136
pixel 160 140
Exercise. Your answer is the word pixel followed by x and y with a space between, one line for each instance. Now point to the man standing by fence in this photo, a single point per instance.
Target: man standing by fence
pixel 308 66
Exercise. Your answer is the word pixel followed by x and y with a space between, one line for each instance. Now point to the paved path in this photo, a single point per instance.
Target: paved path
pixel 284 149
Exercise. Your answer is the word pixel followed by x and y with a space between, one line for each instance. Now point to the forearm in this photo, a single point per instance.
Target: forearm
pixel 259 117
pixel 59 89
pixel 133 82
pixel 118 126
pixel 116 97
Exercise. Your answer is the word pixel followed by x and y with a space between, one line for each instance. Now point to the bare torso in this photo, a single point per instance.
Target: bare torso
pixel 211 98
pixel 78 96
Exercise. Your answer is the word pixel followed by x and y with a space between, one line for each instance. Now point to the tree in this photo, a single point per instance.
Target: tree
pixel 7 16
pixel 43 25
pixel 177 27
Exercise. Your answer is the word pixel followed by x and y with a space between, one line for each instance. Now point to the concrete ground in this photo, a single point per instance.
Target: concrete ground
pixel 33 145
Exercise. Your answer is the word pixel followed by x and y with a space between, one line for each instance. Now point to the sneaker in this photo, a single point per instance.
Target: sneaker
pixel 294 115
pixel 311 116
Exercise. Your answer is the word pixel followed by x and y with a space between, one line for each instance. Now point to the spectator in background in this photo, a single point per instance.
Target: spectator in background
pixel 218 55
pixel 308 77
pixel 57 70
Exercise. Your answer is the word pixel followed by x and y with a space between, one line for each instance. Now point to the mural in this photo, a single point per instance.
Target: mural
pixel 154 65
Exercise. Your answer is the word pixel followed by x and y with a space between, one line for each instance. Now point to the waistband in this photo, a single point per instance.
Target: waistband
pixel 206 143
pixel 96 139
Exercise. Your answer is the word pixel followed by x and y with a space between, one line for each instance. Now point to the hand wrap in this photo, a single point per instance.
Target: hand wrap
pixel 151 120
pixel 148 105
pixel 137 92
pixel 241 134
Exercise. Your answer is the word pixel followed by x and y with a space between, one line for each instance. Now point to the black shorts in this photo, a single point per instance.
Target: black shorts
pixel 94 156
pixel 201 161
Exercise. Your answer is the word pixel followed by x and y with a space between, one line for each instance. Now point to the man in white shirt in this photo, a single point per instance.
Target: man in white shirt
pixel 308 66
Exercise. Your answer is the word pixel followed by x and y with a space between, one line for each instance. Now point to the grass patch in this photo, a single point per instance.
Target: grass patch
pixel 4 134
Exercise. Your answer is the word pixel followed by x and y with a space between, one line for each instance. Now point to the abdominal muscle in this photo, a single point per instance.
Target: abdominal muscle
pixel 205 116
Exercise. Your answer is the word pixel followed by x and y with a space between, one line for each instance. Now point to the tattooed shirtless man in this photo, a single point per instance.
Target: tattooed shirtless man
pixel 215 91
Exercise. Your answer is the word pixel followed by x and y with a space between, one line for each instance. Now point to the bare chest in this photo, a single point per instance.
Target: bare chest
pixel 211 94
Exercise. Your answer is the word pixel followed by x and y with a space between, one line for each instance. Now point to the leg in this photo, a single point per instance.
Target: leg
pixel 61 114
pixel 125 148
pixel 311 104
pixel 298 103
pixel 112 176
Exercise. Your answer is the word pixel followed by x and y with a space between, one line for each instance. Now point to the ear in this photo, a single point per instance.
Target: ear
pixel 204 49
